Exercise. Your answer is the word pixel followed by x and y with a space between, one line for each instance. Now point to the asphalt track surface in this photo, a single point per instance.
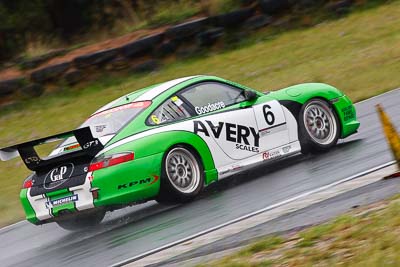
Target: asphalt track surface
pixel 135 230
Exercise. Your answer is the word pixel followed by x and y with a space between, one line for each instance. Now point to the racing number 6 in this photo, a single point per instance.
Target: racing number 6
pixel 268 115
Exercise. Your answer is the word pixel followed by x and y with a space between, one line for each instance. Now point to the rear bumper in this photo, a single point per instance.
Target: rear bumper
pixel 116 186
pixel 45 207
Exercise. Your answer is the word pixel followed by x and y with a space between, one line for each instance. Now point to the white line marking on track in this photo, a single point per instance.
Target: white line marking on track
pixel 5 228
pixel 385 93
pixel 254 213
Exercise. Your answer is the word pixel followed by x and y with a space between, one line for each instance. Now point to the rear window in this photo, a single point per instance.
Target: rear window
pixel 110 121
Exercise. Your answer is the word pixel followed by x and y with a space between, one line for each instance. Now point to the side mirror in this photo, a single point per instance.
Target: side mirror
pixel 250 95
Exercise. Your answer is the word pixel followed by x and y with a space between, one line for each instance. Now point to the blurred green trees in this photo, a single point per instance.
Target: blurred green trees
pixel 23 23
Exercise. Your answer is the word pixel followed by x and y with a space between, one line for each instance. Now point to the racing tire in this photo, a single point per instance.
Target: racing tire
pixel 81 221
pixel 319 127
pixel 182 176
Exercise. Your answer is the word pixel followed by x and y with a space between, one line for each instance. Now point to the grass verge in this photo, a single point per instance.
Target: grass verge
pixel 367 237
pixel 359 54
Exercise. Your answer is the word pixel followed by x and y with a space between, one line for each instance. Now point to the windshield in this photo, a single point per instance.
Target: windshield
pixel 110 121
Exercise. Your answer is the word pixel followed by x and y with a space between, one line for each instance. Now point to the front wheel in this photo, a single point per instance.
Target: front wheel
pixel 319 126
pixel 182 176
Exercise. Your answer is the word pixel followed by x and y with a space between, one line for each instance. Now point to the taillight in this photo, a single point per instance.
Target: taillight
pixel 108 161
pixel 27 184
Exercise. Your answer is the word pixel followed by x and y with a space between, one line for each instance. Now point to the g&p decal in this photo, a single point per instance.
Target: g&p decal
pixel 58 175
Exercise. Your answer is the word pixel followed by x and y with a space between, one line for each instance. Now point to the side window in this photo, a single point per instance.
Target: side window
pixel 171 110
pixel 208 97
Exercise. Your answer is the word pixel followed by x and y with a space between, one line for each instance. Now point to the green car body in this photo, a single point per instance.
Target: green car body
pixel 140 179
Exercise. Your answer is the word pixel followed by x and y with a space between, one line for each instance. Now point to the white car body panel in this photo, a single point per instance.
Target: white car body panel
pixel 279 142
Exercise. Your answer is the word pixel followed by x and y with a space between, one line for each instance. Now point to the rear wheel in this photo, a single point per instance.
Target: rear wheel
pixel 182 176
pixel 319 126
pixel 81 221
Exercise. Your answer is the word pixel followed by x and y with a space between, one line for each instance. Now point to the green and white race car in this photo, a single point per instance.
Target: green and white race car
pixel 168 141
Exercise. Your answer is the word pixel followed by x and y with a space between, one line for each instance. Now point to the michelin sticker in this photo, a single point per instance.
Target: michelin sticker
pixel 61 201
pixel 209 108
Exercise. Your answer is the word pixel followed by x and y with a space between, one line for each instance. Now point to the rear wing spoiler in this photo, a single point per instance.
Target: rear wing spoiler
pixel 90 147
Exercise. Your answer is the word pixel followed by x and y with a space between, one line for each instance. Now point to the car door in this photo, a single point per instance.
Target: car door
pixel 234 129
pixel 272 125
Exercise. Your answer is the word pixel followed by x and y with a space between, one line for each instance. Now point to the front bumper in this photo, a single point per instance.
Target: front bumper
pixel 347 115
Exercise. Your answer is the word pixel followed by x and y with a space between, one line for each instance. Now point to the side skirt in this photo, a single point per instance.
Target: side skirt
pixel 258 159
